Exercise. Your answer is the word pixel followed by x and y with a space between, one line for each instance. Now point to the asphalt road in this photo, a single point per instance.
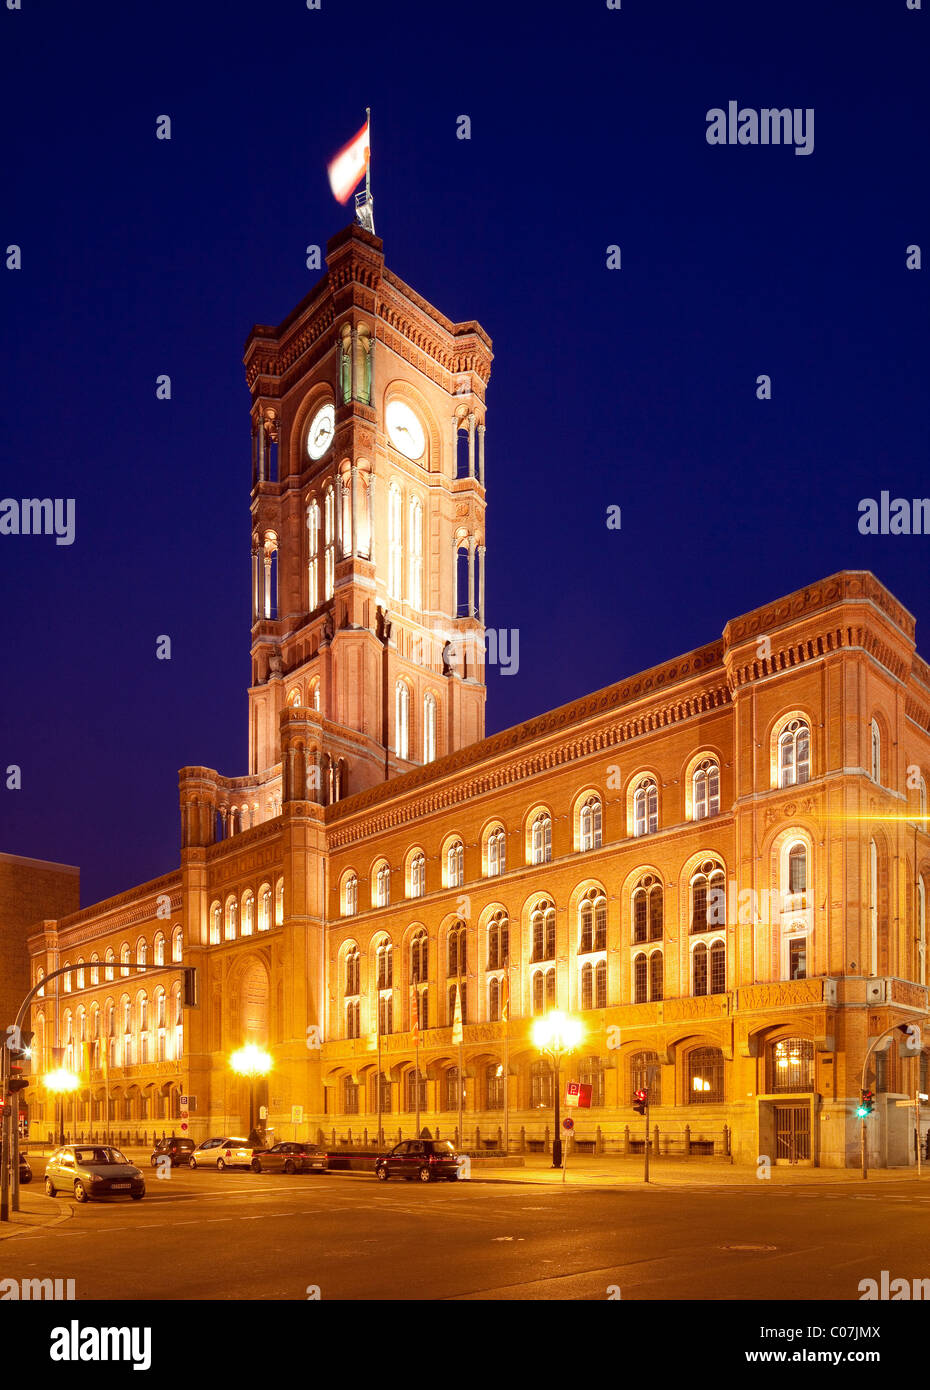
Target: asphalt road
pixel 238 1235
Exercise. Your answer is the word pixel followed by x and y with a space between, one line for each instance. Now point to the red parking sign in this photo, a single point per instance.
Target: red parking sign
pixel 578 1093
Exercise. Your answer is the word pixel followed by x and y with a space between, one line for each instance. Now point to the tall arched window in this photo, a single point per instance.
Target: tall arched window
pixel 794 754
pixel 455 865
pixel 542 924
pixel 125 956
pixel 416 553
pixel 708 898
pixel 656 976
pixel 544 991
pixel 592 922
pixel 329 543
pixel 419 958
pixel 541 839
pixel 109 971
pixel 279 903
pixel 418 875
pixel 429 727
pixel 590 824
pixel 705 784
pixel 640 978
pixel 177 939
pixel 385 965
pixel 497 852
pixel 647 909
pixel 709 968
pixel 594 985
pixel 395 541
pixel 313 557
pixel 457 964
pixel 646 808
pixel 314 694
pixel 232 919
pixel 350 896
pixel 498 941
pixel 876 752
pixel 383 886
pixel 797 869
pixel 462 597
pixel 248 913
pixel 352 971
pixel 402 720
pixel 264 909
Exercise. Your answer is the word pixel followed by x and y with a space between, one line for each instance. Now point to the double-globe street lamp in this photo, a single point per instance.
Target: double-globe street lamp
pixel 251 1061
pixel 556 1035
pixel 60 1083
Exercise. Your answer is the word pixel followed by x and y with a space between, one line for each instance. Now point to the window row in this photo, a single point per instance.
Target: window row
pixel 95 971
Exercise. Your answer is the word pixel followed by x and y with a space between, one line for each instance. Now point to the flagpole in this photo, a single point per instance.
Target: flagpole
pixel 368 160
pixel 416 1054
pixel 378 1026
pixel 461 1063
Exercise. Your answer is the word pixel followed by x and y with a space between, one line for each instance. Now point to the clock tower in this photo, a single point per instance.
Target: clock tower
pixel 368 541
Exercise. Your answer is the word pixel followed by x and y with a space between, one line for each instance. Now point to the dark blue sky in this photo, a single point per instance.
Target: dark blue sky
pixel 633 387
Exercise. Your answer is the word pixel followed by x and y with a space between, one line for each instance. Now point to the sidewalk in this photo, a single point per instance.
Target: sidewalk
pixel 35 1209
pixel 609 1170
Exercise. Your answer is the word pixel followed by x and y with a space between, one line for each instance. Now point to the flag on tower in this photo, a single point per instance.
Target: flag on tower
pixel 457 1017
pixel 346 168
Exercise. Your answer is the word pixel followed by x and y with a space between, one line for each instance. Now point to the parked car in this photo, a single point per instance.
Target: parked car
pixel 25 1172
pixel 425 1159
pixel 92 1170
pixel 290 1157
pixel 223 1153
pixel 178 1150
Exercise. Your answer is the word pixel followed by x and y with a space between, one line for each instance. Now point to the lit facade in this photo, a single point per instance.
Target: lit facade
pixel 717 866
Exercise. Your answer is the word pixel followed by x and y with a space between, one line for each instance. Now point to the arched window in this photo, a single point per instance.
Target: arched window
pixel 216 917
pixel 385 963
pixel 647 909
pixel 709 968
pixel 158 949
pixel 264 909
pixel 646 1075
pixel 416 553
pixel 352 971
pixel 414 1089
pixel 699 969
pixel 177 947
pixel 314 694
pixel 705 786
pixel 395 541
pixel 350 896
pixel 640 978
pixel 462 597
pixel 455 865
pixel 458 987
pixel 797 869
pixel 79 973
pixel 544 991
pixel 417 875
pixel 496 852
pixel 383 885
pixel 248 913
pixel 402 720
pixel 594 985
pixel 656 976
pixel 790 1065
pixel 232 919
pixel 541 839
pixel 313 556
pixel 541 1081
pixel 494 1086
pixel 329 543
pixel 708 898
pixel 457 950
pixel 419 958
pixel 592 922
pixel 542 924
pixel 498 941
pixel 125 955
pixel 279 903
pixel 705 1076
pixel 794 754
pixel 40 975
pixel 876 752
pixel 494 999
pixel 109 971
pixel 353 1018
pixel 646 808
pixel 429 727
pixel 590 824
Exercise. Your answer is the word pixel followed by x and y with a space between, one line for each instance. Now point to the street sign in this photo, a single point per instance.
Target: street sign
pixel 568 1123
pixel 184 1105
pixel 908 1105
pixel 578 1094
pixel 263 1112
pixel 297 1114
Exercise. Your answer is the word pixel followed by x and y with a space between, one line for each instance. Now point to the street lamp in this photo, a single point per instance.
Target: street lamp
pixel 61 1082
pixel 557 1036
pixel 251 1061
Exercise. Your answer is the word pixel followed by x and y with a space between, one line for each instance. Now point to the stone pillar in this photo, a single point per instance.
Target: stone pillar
pixel 481 454
pixel 261 448
pixel 471 445
pixel 256 605
pixel 481 550
pixel 354 503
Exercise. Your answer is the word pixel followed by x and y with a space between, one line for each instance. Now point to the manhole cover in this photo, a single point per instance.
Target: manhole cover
pixel 749 1247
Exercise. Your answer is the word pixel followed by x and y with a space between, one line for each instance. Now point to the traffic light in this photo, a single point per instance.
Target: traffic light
pixel 865 1106
pixel 18 1054
pixel 640 1100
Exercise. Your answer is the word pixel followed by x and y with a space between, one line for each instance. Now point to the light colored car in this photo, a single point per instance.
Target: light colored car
pixel 223 1153
pixel 93 1170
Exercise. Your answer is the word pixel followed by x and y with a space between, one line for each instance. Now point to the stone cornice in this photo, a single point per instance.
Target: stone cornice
pixel 126 909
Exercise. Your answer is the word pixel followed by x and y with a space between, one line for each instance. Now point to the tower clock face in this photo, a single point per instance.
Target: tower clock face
pixel 322 428
pixel 404 430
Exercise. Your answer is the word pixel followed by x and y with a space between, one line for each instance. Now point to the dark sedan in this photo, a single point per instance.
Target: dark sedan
pixel 178 1150
pixel 292 1157
pixel 425 1159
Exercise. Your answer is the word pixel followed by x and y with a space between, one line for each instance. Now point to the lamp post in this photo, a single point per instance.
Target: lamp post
pixel 556 1036
pixel 60 1083
pixel 251 1061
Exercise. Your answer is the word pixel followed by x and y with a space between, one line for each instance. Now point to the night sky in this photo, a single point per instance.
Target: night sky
pixel 633 387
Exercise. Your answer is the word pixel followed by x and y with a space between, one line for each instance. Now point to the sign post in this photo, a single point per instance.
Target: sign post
pixel 568 1124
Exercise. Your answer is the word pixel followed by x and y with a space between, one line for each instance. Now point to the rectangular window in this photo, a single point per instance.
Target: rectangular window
pixel 797 959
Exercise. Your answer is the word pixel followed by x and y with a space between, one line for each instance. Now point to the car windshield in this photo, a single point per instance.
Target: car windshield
pixel 99 1156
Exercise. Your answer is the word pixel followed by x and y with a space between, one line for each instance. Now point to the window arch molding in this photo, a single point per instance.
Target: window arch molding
pixel 453 861
pixel 879 744
pixel 493 849
pixel 697 776
pixel 710 866
pixel 587 820
pixel 415 872
pixel 348 893
pixel 537 834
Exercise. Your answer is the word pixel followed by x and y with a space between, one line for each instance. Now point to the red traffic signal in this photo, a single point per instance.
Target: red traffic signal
pixel 640 1101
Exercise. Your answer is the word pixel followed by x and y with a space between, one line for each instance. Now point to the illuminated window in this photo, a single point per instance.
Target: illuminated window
pixel 455 865
pixel 497 852
pixel 542 925
pixel 416 553
pixel 791 1065
pixel 708 898
pixel 590 827
pixel 705 783
pixel 541 839
pixel 402 719
pixel 646 808
pixel 429 727
pixel 794 754
pixel 350 896
pixel 395 541
pixel 705 1076
pixel 329 544
pixel 313 562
